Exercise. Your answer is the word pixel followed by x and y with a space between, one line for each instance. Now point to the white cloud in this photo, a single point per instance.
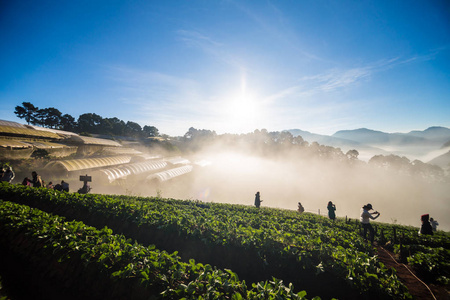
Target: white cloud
pixel 336 79
pixel 197 39
pixel 160 97
pixel 220 51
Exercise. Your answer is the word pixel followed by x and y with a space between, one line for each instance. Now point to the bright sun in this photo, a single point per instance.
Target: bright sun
pixel 242 108
pixel 242 113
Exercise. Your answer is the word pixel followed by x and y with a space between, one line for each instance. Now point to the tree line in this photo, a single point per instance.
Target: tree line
pixel 284 144
pixel 259 142
pixel 86 123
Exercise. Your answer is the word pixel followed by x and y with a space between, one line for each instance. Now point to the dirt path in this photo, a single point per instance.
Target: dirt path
pixel 417 288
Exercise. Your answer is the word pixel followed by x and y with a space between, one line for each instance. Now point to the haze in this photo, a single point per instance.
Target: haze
pixel 234 176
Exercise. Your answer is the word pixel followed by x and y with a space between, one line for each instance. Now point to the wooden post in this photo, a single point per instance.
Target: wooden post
pixel 395 236
pixel 382 239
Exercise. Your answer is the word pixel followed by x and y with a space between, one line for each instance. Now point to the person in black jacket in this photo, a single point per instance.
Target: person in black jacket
pixel 9 175
pixel 257 200
pixel 426 225
pixel 36 180
pixel 331 210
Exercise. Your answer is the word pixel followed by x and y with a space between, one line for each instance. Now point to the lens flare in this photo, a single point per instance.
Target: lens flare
pixel 204 194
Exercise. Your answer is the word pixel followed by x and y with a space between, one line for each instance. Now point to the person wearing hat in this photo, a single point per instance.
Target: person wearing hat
pixel 365 221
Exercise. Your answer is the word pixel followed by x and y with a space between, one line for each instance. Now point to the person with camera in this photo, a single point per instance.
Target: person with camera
pixel 365 221
pixel 331 210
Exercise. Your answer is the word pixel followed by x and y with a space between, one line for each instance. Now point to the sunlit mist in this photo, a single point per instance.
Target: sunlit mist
pixel 234 176
pixel 241 110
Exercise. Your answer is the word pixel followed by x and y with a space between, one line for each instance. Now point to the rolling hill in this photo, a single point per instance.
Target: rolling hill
pixel 426 145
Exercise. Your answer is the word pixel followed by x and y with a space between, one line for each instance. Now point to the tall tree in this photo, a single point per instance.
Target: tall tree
pixel 52 118
pixel 27 111
pixel 118 126
pixel 105 126
pixel 68 123
pixel 133 129
pixel 352 154
pixel 48 117
pixel 285 138
pixel 150 130
pixel 39 117
pixel 89 123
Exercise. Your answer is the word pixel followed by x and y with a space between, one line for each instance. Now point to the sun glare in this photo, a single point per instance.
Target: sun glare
pixel 241 111
pixel 241 114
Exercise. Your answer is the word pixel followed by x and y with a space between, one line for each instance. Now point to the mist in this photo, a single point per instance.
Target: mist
pixel 235 175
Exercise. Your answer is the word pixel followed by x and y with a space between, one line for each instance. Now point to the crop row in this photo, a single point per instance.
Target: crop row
pixel 96 264
pixel 429 255
pixel 282 242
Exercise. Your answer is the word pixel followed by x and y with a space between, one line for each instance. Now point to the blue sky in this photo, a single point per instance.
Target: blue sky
pixel 231 66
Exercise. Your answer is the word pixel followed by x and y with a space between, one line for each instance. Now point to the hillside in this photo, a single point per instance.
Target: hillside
pixel 365 151
pixel 442 160
pixel 435 133
pixel 423 145
pixel 319 256
pixel 372 137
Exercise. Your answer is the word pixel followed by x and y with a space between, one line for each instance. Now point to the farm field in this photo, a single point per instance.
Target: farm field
pixel 248 252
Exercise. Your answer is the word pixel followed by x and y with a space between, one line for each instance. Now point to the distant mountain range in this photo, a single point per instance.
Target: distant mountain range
pixel 431 145
pixel 432 135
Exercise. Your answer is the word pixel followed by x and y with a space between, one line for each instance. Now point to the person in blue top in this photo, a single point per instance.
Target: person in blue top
pixel 434 224
pixel 331 210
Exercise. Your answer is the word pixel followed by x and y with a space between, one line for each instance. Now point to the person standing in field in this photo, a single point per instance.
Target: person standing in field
pixel 9 175
pixel 64 186
pixel 365 221
pixel 426 226
pixel 257 200
pixel 331 210
pixel 434 224
pixel 36 180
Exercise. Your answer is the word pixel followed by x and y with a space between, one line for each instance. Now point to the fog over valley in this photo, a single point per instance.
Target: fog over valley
pixel 350 168
pixel 401 190
pixel 235 178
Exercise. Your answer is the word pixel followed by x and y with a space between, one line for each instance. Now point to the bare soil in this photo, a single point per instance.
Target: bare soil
pixel 416 287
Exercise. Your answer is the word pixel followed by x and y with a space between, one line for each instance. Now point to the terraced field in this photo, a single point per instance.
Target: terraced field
pixel 152 248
